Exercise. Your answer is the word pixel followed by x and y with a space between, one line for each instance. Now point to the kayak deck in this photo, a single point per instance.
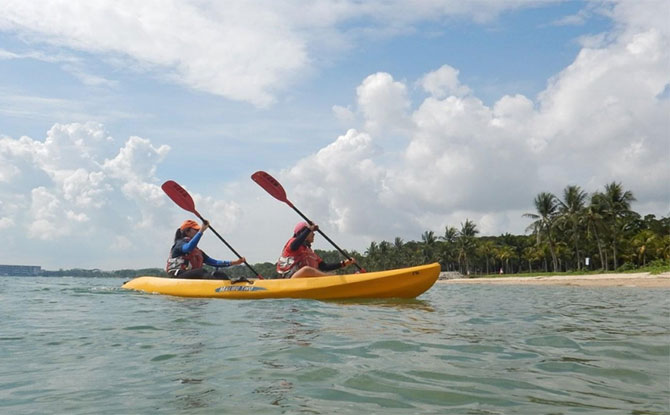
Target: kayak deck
pixel 398 283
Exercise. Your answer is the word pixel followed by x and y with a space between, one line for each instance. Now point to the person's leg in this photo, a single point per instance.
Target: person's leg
pixel 218 275
pixel 194 274
pixel 308 272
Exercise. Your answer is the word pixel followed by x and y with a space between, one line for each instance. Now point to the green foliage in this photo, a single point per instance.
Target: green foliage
pixel 580 233
pixel 266 269
pixel 657 266
pixel 627 267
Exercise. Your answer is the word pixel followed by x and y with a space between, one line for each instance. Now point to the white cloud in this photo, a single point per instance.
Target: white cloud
pixel 83 188
pixel 137 158
pixel 339 173
pixel 576 19
pixel 93 201
pixel 384 104
pixel 599 120
pixel 443 83
pixel 241 51
pixel 121 243
pixel 45 211
pixel 31 108
pixel 6 223
pixel 344 114
pixel 37 55
pixel 77 217
pixel 70 64
pixel 77 190
pixel 604 107
pixel 88 78
pixel 244 51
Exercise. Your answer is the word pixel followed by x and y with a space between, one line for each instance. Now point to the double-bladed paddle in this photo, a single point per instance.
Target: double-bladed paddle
pixel 183 199
pixel 272 186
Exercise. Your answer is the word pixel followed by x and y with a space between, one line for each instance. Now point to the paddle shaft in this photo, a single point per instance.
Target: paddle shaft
pixel 228 245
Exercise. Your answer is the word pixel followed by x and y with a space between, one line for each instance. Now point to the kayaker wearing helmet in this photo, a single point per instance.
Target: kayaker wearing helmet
pixel 186 259
pixel 298 260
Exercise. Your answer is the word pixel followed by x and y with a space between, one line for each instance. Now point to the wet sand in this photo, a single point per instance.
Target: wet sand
pixel 640 279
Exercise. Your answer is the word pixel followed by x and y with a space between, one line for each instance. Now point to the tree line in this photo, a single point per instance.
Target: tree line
pixel 577 231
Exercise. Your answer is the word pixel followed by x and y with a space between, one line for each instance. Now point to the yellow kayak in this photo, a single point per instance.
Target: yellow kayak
pixel 400 283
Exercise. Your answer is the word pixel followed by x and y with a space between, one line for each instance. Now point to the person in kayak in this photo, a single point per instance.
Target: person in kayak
pixel 186 259
pixel 298 260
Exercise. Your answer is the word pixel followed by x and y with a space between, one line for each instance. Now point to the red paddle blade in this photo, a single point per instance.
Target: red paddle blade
pixel 271 185
pixel 180 196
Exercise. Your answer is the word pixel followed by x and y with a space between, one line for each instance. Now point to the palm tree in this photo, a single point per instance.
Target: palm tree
pixel 645 241
pixel 543 226
pixel 399 253
pixel 467 242
pixel 372 254
pixel 532 253
pixel 571 215
pixel 663 250
pixel 616 203
pixel 487 250
pixel 449 251
pixel 504 253
pixel 428 238
pixel 562 252
pixel 450 234
pixel 594 217
pixel 384 249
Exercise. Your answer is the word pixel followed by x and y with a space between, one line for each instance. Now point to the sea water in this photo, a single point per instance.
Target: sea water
pixel 85 346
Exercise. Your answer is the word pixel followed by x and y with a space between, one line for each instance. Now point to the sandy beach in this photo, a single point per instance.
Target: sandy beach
pixel 640 279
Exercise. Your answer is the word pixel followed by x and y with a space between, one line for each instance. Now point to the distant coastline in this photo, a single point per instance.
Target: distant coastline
pixel 637 279
pixel 20 270
pixel 651 276
pixel 90 273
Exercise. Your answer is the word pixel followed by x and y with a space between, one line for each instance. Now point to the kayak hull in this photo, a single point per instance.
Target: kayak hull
pixel 398 283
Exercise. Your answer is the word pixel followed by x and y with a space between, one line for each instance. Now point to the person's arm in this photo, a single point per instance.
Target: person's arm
pixel 323 266
pixel 299 239
pixel 188 246
pixel 175 251
pixel 301 236
pixel 220 264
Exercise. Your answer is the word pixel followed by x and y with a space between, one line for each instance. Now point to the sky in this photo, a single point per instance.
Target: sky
pixel 380 119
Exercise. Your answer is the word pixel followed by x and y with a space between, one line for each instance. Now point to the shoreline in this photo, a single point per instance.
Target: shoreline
pixel 638 279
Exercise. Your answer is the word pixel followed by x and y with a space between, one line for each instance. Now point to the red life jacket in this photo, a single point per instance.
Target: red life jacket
pixel 191 260
pixel 195 258
pixel 302 257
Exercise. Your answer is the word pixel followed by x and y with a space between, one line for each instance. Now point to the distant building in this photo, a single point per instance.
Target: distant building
pixel 20 270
